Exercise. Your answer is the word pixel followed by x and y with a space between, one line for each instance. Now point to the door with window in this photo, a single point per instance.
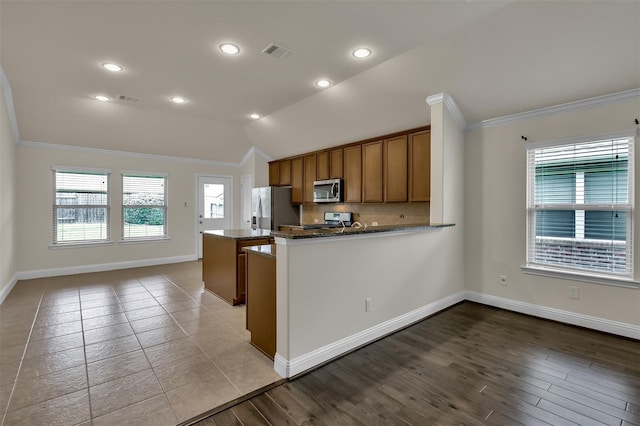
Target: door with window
pixel 215 205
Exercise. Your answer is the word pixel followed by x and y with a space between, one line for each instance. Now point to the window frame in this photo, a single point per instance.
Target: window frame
pixel 139 239
pixel 55 206
pixel 568 271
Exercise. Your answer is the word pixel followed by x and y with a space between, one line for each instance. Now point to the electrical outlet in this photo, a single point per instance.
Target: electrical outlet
pixel 315 221
pixel 374 223
pixel 574 292
pixel 367 304
pixel 503 280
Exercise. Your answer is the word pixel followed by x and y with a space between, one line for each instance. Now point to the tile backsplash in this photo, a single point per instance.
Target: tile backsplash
pixel 384 214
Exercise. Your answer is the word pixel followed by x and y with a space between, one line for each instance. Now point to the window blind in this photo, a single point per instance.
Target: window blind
pixel 144 209
pixel 580 206
pixel 81 207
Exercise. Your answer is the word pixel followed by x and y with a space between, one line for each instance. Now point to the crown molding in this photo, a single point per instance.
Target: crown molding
pixel 451 106
pixel 127 154
pixel 8 99
pixel 570 106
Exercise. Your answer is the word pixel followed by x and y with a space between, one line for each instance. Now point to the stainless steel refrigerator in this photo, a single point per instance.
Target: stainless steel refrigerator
pixel 271 207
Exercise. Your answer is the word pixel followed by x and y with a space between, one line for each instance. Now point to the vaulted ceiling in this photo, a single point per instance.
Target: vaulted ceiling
pixel 494 57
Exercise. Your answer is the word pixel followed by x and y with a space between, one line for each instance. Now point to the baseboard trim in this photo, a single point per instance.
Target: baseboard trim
pixel 101 267
pixel 8 287
pixel 295 366
pixel 595 323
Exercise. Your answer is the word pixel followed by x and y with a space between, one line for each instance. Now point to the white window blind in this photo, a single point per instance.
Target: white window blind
pixel 81 207
pixel 144 209
pixel 580 206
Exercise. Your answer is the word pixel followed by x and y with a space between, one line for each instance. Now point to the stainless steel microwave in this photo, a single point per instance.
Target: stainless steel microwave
pixel 328 191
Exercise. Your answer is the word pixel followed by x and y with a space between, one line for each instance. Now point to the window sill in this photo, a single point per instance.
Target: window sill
pixel 577 276
pixel 144 240
pixel 79 245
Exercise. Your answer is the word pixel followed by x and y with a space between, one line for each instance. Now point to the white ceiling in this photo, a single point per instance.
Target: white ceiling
pixel 495 58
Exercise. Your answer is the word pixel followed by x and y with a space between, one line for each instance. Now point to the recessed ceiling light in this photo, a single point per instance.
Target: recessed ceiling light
pixel 101 98
pixel 229 48
pixel 178 99
pixel 254 116
pixel 323 83
pixel 111 67
pixel 362 52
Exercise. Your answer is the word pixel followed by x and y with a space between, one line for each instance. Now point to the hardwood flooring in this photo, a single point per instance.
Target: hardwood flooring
pixel 468 365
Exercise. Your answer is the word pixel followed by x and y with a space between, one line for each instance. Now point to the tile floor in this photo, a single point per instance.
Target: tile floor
pixel 136 346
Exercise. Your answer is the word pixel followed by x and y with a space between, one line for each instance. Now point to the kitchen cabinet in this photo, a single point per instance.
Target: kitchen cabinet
pixel 353 174
pixel 297 180
pixel 322 165
pixel 309 171
pixel 261 298
pixel 419 175
pixel 335 164
pixel 372 175
pixel 285 172
pixel 223 264
pixel 274 173
pixel 395 170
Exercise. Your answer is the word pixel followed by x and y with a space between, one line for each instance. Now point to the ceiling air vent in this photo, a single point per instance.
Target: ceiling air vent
pixel 277 51
pixel 127 98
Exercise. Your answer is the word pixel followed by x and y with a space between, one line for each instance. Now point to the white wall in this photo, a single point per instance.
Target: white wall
pixel 8 266
pixel 495 191
pixel 35 198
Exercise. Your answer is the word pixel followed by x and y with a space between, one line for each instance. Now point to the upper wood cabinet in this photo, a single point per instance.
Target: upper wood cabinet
pixel 372 175
pixel 395 169
pixel 274 173
pixel 353 174
pixel 309 177
pixel 335 164
pixel 420 166
pixel 297 180
pixel 285 172
pixel 322 165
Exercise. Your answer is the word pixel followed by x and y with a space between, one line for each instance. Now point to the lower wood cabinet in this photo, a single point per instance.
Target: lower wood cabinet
pixel 261 301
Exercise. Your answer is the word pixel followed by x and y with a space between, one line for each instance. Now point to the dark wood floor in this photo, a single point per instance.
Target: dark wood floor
pixel 468 365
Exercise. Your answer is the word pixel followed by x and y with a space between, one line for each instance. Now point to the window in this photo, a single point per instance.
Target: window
pixel 81 206
pixel 144 209
pixel 580 206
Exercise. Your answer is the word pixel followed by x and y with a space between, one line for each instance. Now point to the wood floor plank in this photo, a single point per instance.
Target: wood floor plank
pixel 223 418
pixel 271 411
pixel 248 414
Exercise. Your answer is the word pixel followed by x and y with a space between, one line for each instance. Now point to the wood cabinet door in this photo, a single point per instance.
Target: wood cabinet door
pixel 420 166
pixel 297 180
pixel 309 176
pixel 353 174
pixel 285 172
pixel 274 173
pixel 395 170
pixel 372 175
pixel 335 164
pixel 322 166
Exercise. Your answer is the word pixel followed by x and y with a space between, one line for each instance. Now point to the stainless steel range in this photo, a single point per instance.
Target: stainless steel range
pixel 333 220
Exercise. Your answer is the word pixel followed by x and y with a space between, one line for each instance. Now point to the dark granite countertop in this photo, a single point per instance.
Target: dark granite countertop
pixel 240 234
pixel 337 232
pixel 268 250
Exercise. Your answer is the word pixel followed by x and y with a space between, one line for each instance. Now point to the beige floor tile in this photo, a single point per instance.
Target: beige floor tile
pixel 47 320
pixel 154 411
pixel 139 304
pixel 192 314
pixel 52 300
pixel 110 332
pixel 110 348
pixel 122 392
pixel 164 300
pixel 5 391
pixel 33 390
pixel 181 306
pixel 250 376
pixel 54 344
pixel 9 371
pixel 215 344
pixel 116 367
pixel 47 364
pixel 173 291
pixel 98 303
pixel 124 298
pixel 65 410
pixel 58 309
pixel 188 371
pixel 96 291
pixel 101 311
pixel 152 323
pixel 131 290
pixel 56 330
pixel 160 335
pixel 12 337
pixel 172 351
pixel 107 320
pixel 190 400
pixel 145 313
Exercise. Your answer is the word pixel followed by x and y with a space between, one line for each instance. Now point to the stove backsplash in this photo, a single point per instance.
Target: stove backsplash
pixel 384 214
